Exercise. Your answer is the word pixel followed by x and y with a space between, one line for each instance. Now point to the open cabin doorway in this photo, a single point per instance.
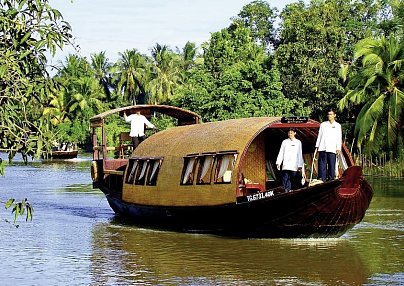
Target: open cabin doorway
pixel 259 172
pixel 273 138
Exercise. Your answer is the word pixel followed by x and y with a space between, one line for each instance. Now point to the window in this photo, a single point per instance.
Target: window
pixel 205 169
pixel 199 168
pixel 131 171
pixel 224 167
pixel 188 171
pixel 143 171
pixel 153 172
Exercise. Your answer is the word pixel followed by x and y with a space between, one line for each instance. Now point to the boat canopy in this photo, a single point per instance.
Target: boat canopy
pixel 229 135
pixel 208 161
pixel 183 116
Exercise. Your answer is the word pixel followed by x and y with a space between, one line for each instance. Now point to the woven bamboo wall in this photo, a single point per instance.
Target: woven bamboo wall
pixel 254 163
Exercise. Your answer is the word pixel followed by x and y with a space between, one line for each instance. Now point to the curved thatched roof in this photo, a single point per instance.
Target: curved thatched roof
pixel 234 134
pixel 239 135
pixel 183 116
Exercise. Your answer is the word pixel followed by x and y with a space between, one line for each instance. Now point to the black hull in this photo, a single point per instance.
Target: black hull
pixel 64 154
pixel 315 212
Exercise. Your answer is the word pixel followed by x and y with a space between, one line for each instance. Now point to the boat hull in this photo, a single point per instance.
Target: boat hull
pixel 64 154
pixel 313 212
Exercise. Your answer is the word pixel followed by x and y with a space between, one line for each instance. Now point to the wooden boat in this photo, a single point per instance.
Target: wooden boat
pixel 62 154
pixel 219 178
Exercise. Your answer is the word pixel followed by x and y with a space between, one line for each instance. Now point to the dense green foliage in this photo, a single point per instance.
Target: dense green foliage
pixel 314 41
pixel 235 79
pixel 377 85
pixel 259 18
pixel 313 60
pixel 28 29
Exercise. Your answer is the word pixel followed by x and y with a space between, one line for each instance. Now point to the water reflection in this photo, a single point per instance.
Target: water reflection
pixel 126 255
pixel 387 187
pixel 72 241
pixel 379 238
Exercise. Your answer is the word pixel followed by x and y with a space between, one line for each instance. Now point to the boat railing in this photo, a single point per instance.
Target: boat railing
pixel 125 144
pixel 100 147
pixel 122 151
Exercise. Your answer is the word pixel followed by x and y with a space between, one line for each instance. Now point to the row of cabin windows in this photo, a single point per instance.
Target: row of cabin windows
pixel 207 168
pixel 143 171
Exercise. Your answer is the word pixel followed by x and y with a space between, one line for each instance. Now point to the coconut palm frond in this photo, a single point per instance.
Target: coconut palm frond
pixel 376 85
pixel 370 113
pixel 373 60
pixel 396 104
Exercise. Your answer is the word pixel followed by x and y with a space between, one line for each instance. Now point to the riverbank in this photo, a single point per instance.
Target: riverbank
pixel 380 166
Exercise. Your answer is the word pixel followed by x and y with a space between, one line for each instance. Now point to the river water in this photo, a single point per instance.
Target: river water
pixel 75 239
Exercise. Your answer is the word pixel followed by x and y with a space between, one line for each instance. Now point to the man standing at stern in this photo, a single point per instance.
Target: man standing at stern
pixel 328 145
pixel 137 123
pixel 290 158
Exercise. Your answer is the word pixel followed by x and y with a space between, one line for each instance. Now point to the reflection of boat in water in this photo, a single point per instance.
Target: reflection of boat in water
pixel 132 256
pixel 219 177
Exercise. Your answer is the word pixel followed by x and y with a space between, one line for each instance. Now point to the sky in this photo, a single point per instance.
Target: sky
pixel 114 26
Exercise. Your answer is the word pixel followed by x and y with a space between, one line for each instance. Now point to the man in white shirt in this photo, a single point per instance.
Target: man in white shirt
pixel 328 145
pixel 137 123
pixel 290 158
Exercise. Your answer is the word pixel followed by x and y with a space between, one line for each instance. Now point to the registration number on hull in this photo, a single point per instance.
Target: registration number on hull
pixel 255 197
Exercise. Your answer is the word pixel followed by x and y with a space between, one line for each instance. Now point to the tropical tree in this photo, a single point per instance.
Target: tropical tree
pixel 29 30
pixel 165 73
pixel 74 78
pixel 79 97
pixel 131 75
pixel 398 16
pixel 187 55
pixel 392 16
pixel 102 72
pixel 56 110
pixel 259 17
pixel 73 67
pixel 376 85
pixel 86 99
pixel 235 79
pixel 315 40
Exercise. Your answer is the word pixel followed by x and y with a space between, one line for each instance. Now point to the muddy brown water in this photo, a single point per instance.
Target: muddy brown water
pixel 75 239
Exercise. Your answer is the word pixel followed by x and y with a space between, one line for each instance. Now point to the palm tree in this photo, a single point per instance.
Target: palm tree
pixel 82 93
pixel 86 98
pixel 188 55
pixel 376 85
pixel 165 73
pixel 102 68
pixel 74 66
pixel 56 108
pixel 132 74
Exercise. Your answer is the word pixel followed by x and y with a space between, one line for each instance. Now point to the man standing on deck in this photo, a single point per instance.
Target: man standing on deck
pixel 137 123
pixel 328 145
pixel 291 158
